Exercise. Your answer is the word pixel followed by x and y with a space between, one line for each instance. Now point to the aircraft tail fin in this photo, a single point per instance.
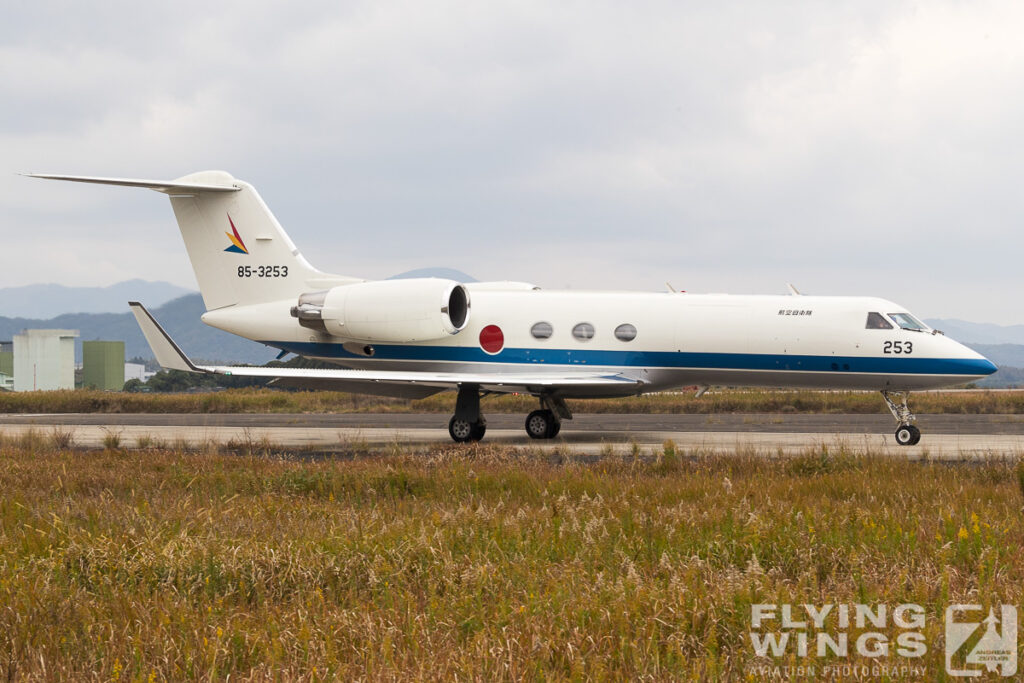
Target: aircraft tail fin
pixel 240 253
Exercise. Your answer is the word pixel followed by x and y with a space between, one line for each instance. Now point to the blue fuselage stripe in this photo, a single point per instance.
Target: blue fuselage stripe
pixel 654 359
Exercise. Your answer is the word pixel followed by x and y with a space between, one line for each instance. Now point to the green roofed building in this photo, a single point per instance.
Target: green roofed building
pixel 103 365
pixel 7 366
pixel 7 359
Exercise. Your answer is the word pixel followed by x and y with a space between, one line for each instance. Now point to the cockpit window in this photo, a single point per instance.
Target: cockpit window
pixel 907 321
pixel 877 322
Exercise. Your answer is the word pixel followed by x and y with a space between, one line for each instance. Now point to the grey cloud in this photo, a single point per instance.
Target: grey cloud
pixel 860 147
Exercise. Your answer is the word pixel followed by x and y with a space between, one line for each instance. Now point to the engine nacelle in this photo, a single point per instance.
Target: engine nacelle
pixel 397 311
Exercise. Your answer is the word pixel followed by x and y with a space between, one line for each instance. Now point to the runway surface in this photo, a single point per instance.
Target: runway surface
pixel 944 436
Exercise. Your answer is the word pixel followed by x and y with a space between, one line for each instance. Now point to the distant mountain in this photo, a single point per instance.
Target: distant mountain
pixel 1002 354
pixel 446 273
pixel 179 317
pixel 1001 344
pixel 49 300
pixel 978 333
pixel 1006 377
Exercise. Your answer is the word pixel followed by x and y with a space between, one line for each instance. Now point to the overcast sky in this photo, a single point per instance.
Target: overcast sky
pixel 849 148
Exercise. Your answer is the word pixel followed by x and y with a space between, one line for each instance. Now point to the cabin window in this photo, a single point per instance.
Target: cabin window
pixel 877 322
pixel 541 330
pixel 583 331
pixel 907 321
pixel 625 332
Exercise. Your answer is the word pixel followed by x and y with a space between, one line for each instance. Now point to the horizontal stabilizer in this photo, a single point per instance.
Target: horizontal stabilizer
pixel 166 186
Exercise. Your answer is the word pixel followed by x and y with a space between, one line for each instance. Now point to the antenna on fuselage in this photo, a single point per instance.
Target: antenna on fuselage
pixel 793 290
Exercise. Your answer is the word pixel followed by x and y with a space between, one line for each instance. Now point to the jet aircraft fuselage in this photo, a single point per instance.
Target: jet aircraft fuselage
pixel 665 340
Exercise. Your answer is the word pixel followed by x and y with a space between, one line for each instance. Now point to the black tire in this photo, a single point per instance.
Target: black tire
pixel 907 435
pixel 461 431
pixel 917 435
pixel 556 427
pixel 538 424
pixel 479 429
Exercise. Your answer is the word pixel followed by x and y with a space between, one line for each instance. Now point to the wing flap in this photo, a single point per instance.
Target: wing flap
pixel 493 381
pixel 390 389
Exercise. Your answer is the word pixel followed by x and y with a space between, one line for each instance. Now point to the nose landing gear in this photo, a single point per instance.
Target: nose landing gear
pixel 907 434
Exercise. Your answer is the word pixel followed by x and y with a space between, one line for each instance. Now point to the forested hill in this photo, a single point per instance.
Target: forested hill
pixel 179 317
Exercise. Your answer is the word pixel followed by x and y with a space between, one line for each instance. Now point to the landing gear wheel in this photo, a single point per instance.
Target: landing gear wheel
pixel 464 431
pixel 541 424
pixel 917 435
pixel 907 435
pixel 556 427
pixel 479 429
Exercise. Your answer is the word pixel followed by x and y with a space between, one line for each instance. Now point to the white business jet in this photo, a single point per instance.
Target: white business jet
pixel 417 337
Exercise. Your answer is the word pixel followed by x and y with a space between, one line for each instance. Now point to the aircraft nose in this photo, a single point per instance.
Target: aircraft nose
pixel 973 363
pixel 986 366
pixel 970 362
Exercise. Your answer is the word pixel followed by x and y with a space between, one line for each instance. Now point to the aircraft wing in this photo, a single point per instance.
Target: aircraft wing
pixel 401 383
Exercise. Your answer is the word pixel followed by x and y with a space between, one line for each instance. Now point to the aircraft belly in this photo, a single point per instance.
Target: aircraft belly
pixel 663 379
pixel 783 379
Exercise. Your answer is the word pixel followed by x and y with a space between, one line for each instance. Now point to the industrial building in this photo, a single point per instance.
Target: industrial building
pixel 103 365
pixel 6 366
pixel 44 360
pixel 137 371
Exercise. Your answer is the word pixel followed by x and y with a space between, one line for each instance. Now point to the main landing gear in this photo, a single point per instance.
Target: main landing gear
pixel 469 425
pixel 906 433
pixel 547 422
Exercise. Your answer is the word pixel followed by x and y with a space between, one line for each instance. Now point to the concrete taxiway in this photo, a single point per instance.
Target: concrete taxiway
pixel 945 436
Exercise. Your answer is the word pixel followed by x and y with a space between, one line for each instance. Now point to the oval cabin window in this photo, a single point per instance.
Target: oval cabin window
pixel 541 330
pixel 625 332
pixel 583 331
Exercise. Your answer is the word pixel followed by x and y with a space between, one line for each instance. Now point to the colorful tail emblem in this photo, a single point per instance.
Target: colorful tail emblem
pixel 237 245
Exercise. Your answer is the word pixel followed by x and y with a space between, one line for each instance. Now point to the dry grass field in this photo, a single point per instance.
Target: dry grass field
pixel 477 563
pixel 718 401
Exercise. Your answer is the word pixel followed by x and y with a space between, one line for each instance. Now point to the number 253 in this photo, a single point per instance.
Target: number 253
pixel 898 347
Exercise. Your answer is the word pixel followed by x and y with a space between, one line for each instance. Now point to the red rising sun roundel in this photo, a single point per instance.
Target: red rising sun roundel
pixel 492 340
